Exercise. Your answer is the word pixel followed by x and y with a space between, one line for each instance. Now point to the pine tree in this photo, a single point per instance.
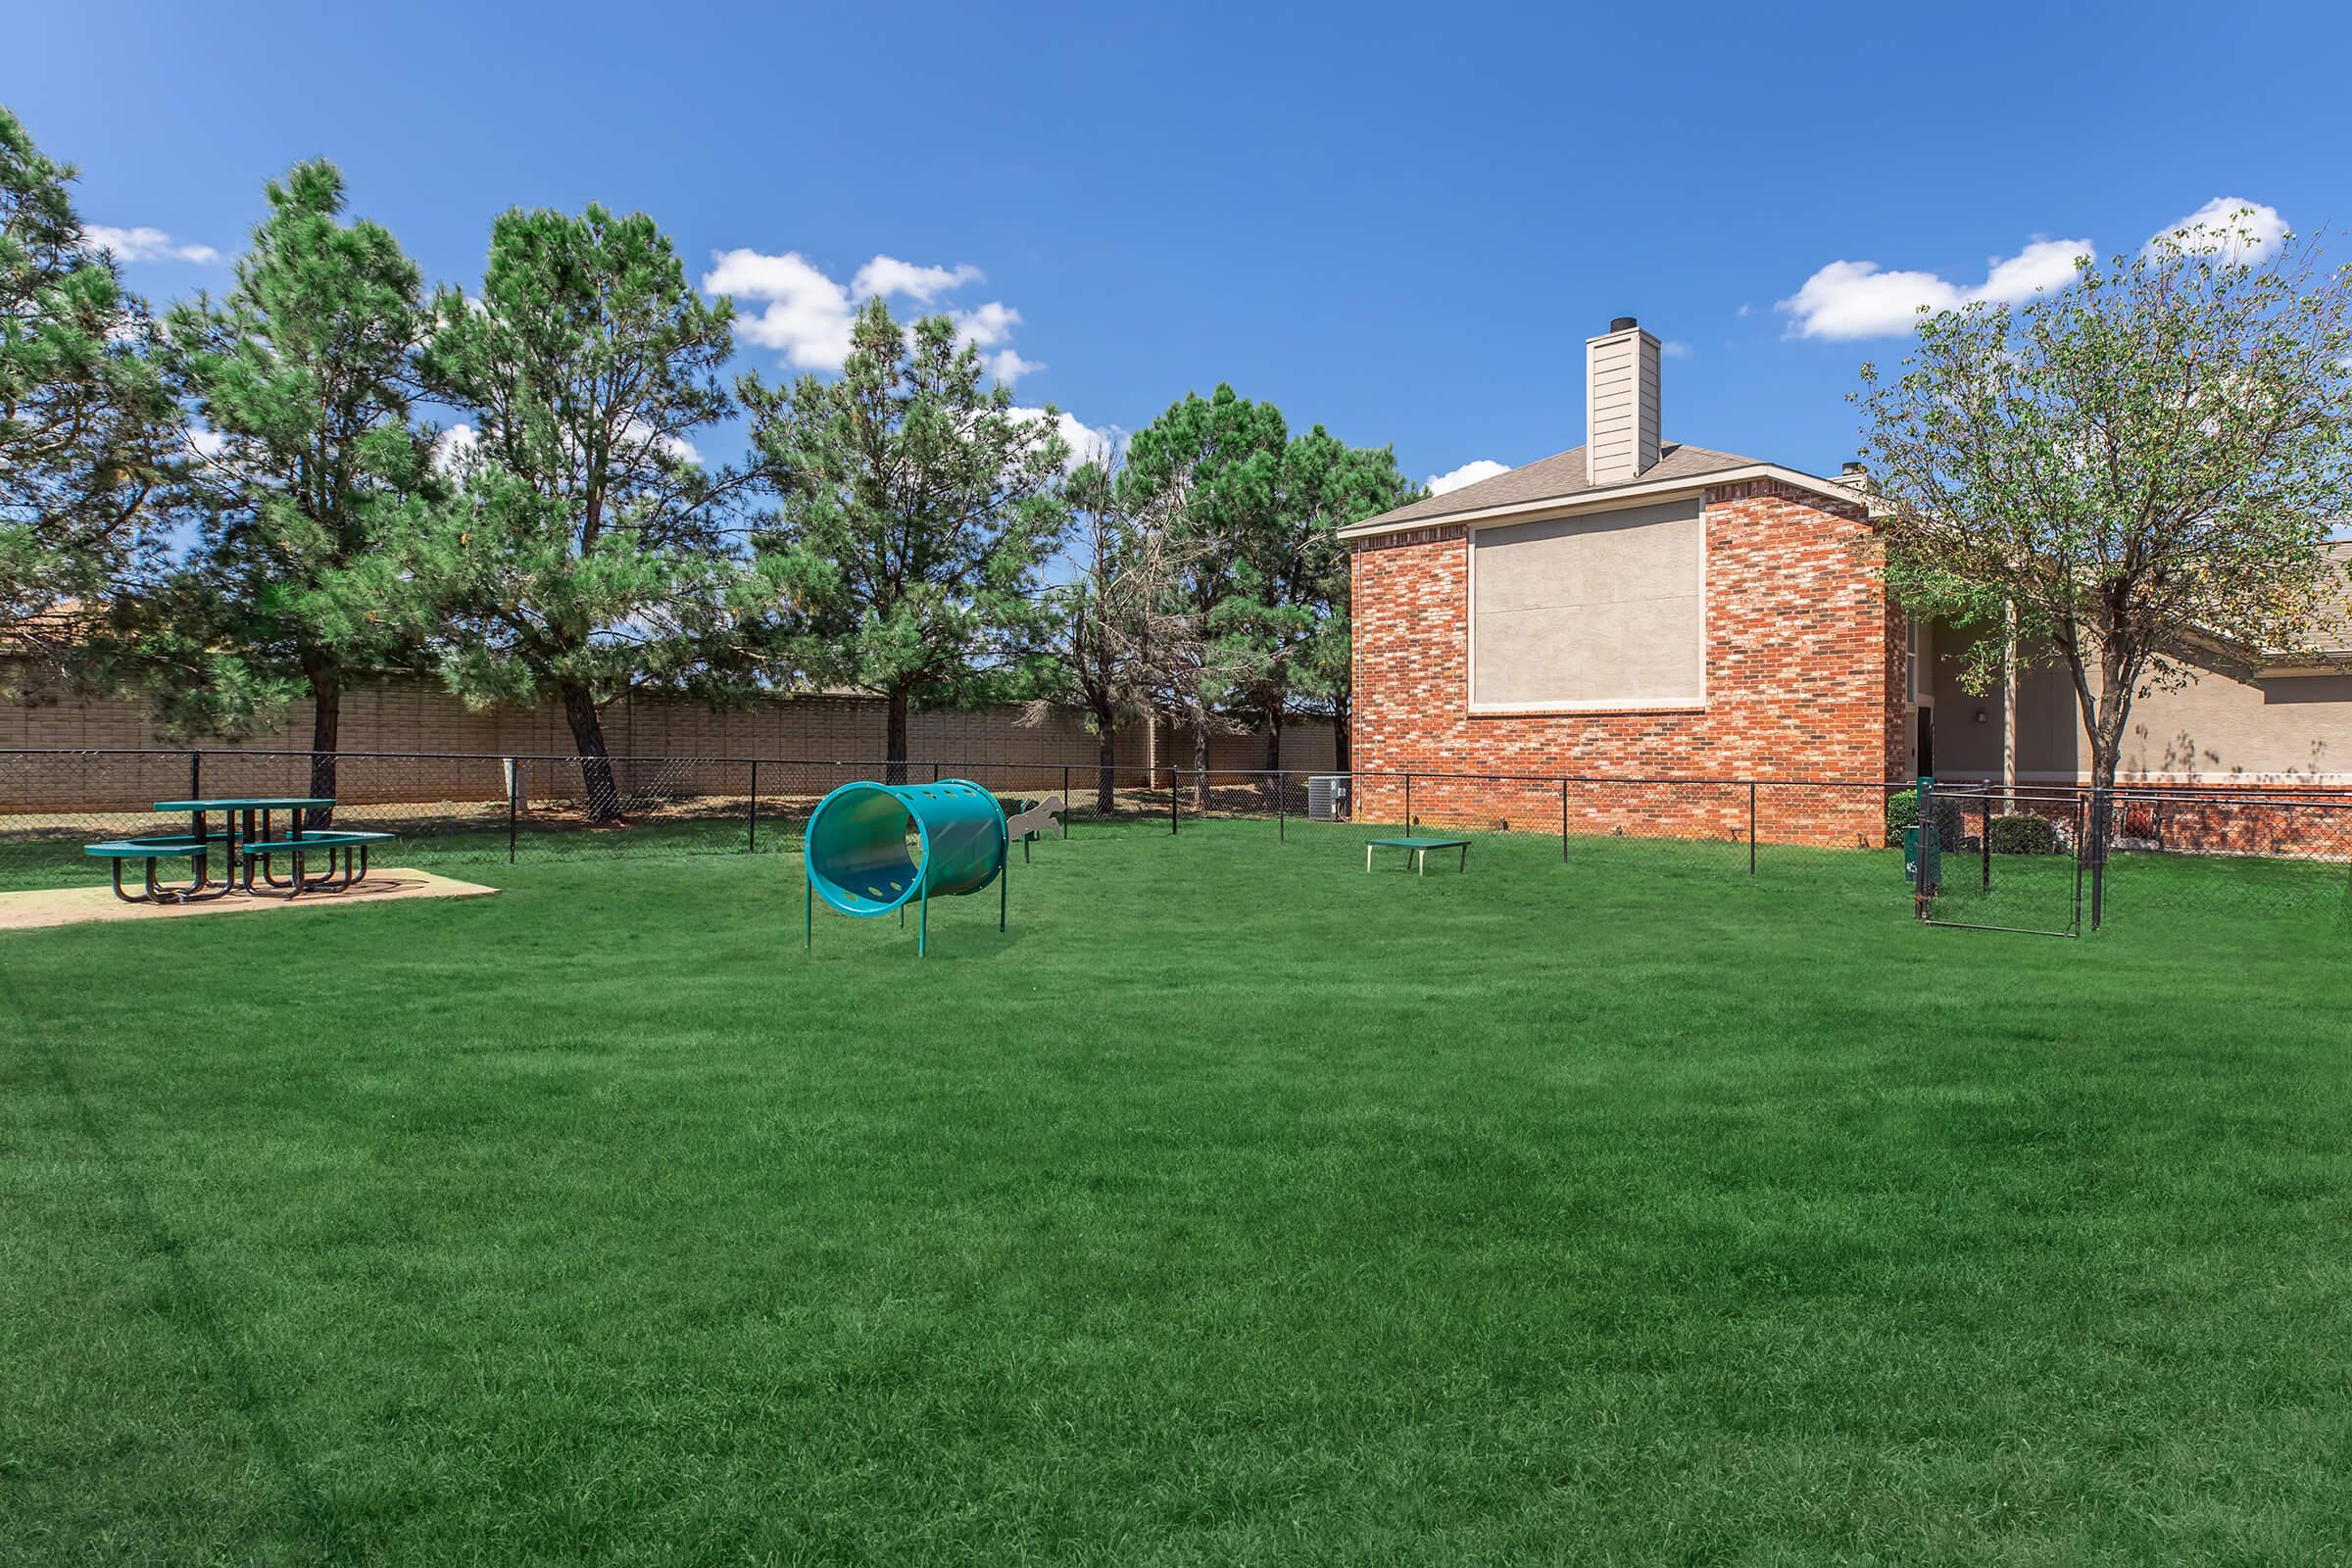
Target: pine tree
pixel 915 508
pixel 89 432
pixel 304 374
pixel 587 551
pixel 1325 485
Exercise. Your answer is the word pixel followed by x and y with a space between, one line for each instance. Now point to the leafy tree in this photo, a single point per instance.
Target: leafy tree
pixel 1325 485
pixel 88 430
pixel 2148 458
pixel 1223 457
pixel 587 551
pixel 1119 632
pixel 304 374
pixel 914 511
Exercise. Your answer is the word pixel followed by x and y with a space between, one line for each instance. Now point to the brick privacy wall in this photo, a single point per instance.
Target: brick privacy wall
pixel 2264 826
pixel 2271 821
pixel 1803 667
pixel 406 718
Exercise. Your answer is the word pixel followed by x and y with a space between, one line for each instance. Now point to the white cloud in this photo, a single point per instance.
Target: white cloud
pixel 2045 264
pixel 991 323
pixel 205 445
pixel 887 275
pixel 146 245
pixel 806 316
pixel 455 448
pixel 1675 349
pixel 1087 444
pixel 1468 473
pixel 2246 225
pixel 1855 299
pixel 1008 367
pixel 675 446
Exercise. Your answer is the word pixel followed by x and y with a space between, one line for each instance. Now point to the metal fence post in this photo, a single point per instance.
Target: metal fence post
pixel 1930 866
pixel 1751 827
pixel 1175 783
pixel 1065 800
pixel 1282 829
pixel 1563 819
pixel 1984 842
pixel 752 843
pixel 2081 831
pixel 195 775
pixel 1408 802
pixel 515 788
pixel 2100 805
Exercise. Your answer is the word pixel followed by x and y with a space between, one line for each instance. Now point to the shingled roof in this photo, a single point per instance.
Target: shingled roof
pixel 1561 477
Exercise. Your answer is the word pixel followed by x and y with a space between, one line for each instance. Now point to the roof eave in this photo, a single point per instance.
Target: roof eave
pixel 1603 500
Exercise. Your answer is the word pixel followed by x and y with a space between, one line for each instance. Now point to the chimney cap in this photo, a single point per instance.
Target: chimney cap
pixel 1622 324
pixel 1852 467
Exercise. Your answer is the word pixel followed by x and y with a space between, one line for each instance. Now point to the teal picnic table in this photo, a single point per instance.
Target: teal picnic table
pixel 250 840
pixel 244 819
pixel 1416 851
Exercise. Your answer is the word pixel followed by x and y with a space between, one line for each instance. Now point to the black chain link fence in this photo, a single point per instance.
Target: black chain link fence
pixel 2030 858
pixel 2041 858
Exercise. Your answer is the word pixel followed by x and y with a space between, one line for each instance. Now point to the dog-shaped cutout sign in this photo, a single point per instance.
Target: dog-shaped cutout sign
pixel 1022 826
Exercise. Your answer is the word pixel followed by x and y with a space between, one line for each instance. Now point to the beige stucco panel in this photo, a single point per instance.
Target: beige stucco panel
pixel 2223 725
pixel 1594 610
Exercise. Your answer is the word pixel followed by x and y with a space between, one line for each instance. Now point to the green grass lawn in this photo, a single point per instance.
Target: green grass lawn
pixel 1237 1207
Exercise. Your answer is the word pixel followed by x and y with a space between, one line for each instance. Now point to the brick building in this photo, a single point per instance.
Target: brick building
pixel 1634 608
pixel 1638 608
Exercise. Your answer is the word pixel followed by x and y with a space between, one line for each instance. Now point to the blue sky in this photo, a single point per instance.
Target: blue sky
pixel 1400 221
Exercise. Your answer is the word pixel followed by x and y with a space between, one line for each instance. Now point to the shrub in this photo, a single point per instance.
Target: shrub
pixel 1902 812
pixel 2023 835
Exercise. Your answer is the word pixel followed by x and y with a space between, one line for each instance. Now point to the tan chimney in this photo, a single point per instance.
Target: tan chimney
pixel 1621 403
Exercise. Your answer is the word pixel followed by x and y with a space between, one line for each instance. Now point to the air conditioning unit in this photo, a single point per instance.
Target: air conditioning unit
pixel 1327 796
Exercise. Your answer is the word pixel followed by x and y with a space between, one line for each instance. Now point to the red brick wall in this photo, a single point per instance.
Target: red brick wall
pixel 1803 667
pixel 2301 824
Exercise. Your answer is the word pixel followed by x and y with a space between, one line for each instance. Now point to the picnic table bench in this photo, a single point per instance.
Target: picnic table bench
pixel 248 842
pixel 309 844
pixel 119 851
pixel 1417 850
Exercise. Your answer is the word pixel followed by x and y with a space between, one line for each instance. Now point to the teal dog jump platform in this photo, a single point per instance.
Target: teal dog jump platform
pixel 870 849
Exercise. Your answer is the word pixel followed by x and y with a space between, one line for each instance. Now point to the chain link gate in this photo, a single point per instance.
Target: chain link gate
pixel 1982 858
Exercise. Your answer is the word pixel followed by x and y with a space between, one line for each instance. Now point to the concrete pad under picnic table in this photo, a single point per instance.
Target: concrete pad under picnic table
pixel 54 906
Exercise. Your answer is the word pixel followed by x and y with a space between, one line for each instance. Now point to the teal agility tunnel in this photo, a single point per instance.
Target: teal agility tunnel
pixel 873 848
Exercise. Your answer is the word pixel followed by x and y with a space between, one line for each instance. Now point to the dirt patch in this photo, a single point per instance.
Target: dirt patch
pixel 54 906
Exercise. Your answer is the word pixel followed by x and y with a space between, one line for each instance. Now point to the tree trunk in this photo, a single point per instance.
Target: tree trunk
pixel 2009 714
pixel 1105 768
pixel 1201 758
pixel 1343 733
pixel 1274 741
pixel 2114 708
pixel 894 740
pixel 595 763
pixel 326 717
